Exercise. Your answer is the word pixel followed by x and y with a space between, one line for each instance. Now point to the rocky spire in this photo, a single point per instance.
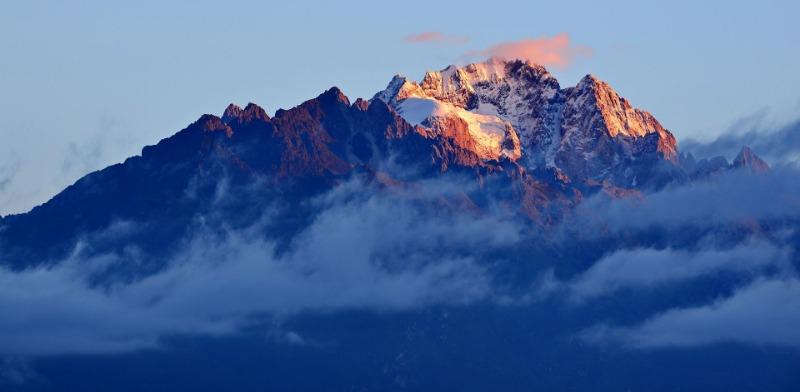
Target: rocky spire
pixel 748 159
pixel 234 114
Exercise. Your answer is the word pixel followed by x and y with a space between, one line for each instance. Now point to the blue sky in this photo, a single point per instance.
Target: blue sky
pixel 83 86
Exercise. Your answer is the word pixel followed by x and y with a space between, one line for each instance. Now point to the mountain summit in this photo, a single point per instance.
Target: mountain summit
pixel 518 110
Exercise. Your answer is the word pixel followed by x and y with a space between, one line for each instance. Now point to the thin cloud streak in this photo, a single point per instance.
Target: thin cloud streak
pixel 436 37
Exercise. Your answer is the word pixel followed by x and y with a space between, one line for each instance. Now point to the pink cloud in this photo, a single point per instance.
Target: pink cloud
pixel 436 37
pixel 555 52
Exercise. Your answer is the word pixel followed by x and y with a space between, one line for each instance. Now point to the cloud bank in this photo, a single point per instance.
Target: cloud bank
pixel 765 312
pixel 364 251
pixel 737 223
pixel 648 269
pixel 735 197
pixel 392 251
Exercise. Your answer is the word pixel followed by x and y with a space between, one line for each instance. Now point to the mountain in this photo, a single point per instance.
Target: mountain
pixel 747 159
pixel 483 229
pixel 532 147
pixel 518 110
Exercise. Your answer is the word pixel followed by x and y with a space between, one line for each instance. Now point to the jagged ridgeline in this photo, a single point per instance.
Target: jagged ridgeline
pixel 527 144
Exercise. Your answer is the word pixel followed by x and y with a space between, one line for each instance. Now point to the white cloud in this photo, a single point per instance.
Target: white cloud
pixel 766 312
pixel 733 198
pixel 652 268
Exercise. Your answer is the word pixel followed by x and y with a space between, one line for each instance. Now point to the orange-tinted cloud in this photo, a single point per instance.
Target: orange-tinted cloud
pixel 555 52
pixel 436 37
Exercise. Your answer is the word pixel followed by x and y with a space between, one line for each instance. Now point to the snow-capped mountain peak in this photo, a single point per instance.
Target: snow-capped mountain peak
pixel 444 102
pixel 583 130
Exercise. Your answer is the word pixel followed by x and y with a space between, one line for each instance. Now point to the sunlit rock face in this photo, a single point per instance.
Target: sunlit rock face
pixel 603 136
pixel 587 132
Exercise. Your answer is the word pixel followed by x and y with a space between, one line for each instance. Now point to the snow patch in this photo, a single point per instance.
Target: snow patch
pixel 489 132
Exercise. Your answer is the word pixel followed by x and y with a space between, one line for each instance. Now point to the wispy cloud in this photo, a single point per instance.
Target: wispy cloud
pixel 645 269
pixel 556 51
pixel 436 37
